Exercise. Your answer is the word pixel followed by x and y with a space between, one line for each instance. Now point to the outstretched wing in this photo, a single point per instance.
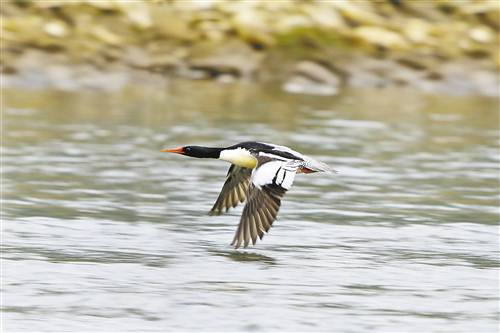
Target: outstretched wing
pixel 269 183
pixel 234 190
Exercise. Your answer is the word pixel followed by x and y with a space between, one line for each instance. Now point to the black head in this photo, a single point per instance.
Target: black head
pixel 196 151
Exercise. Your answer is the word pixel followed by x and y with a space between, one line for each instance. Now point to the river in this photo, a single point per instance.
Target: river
pixel 102 232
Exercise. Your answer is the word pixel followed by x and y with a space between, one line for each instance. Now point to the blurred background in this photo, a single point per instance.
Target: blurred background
pixel 307 46
pixel 102 232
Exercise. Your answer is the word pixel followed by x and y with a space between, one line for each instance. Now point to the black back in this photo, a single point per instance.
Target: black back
pixel 262 147
pixel 251 145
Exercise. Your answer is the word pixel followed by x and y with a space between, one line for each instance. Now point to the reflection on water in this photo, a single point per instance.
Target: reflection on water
pixel 242 256
pixel 103 232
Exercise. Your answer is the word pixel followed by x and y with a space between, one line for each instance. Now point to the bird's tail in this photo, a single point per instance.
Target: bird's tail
pixel 317 166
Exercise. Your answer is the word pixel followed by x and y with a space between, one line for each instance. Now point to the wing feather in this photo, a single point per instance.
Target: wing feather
pixel 264 195
pixel 234 190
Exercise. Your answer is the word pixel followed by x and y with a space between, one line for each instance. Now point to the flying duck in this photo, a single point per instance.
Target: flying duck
pixel 260 173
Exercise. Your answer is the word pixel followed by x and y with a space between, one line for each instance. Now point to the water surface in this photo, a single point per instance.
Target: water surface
pixel 101 232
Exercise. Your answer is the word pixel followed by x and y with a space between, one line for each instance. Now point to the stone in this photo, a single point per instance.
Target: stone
pixel 291 22
pixel 317 73
pixel 325 17
pixel 172 24
pixel 381 37
pixel 312 78
pixel 358 12
pixel 56 28
pixel 417 31
pixel 106 36
pixel 234 58
pixel 137 12
pixel 481 34
pixel 251 26
pixel 303 85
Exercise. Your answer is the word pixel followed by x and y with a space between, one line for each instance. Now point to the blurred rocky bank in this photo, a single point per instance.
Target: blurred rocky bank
pixel 307 46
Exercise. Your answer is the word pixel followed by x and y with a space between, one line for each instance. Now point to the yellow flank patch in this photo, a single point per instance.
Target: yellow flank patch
pixel 239 157
pixel 246 162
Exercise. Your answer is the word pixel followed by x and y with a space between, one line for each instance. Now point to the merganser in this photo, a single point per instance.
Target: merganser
pixel 260 173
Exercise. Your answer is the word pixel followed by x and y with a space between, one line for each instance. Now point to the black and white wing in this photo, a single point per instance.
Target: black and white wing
pixel 309 162
pixel 234 190
pixel 270 180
